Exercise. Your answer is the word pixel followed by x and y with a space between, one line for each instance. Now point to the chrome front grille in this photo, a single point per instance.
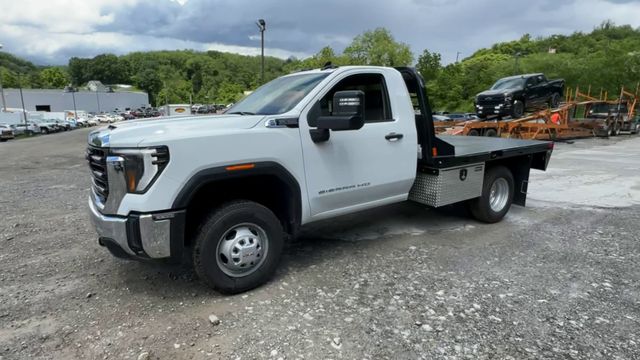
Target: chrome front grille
pixel 97 158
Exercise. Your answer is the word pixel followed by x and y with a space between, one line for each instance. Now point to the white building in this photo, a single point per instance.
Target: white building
pixel 55 100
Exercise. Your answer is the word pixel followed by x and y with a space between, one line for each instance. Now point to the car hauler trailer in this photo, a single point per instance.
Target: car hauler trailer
pixel 581 115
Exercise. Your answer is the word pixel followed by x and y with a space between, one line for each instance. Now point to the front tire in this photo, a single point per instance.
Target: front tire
pixel 473 132
pixel 496 198
pixel 238 247
pixel 517 109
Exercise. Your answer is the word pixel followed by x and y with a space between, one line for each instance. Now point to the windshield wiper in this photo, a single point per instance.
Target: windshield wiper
pixel 241 113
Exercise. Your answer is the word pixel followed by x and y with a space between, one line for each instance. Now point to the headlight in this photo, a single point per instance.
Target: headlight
pixel 140 167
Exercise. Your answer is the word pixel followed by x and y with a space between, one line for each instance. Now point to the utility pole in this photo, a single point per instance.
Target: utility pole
pixel 516 69
pixel 458 55
pixel 4 102
pixel 98 99
pixel 72 90
pixel 262 25
pixel 24 111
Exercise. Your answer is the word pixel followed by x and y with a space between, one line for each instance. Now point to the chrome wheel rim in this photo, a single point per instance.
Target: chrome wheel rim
pixel 499 194
pixel 242 249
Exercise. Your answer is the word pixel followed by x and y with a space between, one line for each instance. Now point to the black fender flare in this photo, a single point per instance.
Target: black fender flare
pixel 207 176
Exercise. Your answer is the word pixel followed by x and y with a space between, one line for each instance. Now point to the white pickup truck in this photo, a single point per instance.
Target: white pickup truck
pixel 228 190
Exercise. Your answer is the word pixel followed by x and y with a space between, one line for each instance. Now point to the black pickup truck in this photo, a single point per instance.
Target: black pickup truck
pixel 512 96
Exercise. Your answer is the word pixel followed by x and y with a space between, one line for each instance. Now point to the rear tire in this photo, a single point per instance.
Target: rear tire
pixel 496 198
pixel 554 102
pixel 238 247
pixel 473 132
pixel 616 129
pixel 491 133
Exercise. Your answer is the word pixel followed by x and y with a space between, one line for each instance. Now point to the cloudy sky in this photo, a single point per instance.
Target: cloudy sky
pixel 51 31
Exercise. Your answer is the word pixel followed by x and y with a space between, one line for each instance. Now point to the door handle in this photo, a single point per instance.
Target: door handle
pixel 393 136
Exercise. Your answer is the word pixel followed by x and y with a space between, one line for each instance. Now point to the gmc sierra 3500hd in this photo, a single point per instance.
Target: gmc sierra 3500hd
pixel 228 189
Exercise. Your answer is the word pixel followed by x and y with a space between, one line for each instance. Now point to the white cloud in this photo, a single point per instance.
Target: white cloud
pixel 98 42
pixel 72 16
pixel 52 31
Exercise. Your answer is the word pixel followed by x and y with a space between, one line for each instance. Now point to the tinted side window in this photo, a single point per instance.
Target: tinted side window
pixel 376 96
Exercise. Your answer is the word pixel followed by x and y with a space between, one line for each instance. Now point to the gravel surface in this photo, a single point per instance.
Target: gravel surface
pixel 558 279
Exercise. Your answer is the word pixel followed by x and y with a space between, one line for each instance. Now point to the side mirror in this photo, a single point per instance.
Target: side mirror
pixel 348 112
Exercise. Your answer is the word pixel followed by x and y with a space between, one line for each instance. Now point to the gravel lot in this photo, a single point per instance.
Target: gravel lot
pixel 558 279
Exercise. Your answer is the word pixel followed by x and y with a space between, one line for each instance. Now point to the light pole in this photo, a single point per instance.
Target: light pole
pixel 98 99
pixel 24 111
pixel 458 55
pixel 516 68
pixel 72 90
pixel 4 102
pixel 262 25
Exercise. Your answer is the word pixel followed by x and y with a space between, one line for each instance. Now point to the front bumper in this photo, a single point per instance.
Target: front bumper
pixel 144 236
pixel 500 109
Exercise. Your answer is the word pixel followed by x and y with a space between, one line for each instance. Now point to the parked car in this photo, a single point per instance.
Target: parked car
pixel 440 118
pixel 6 132
pixel 151 112
pixel 102 118
pixel 64 125
pixel 512 96
pixel 459 117
pixel 635 125
pixel 92 122
pixel 47 126
pixel 26 129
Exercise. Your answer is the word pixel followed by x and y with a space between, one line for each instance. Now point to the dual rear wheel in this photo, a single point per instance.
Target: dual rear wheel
pixel 496 198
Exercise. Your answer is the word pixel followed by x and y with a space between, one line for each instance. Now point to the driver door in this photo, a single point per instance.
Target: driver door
pixel 358 169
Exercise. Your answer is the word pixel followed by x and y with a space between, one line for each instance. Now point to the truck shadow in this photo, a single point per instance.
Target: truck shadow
pixel 318 244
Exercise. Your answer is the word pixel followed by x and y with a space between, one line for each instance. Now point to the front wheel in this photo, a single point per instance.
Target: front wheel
pixel 496 198
pixel 517 109
pixel 238 247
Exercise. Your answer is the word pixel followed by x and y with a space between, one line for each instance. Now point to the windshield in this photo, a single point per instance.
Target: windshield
pixel 508 83
pixel 606 108
pixel 278 96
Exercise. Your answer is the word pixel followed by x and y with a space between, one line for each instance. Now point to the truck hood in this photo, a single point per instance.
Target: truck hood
pixel 134 133
pixel 499 92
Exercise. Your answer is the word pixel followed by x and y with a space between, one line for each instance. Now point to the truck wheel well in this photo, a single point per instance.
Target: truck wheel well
pixel 519 167
pixel 268 190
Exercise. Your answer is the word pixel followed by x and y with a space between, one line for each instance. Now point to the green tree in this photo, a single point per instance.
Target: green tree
pixel 229 93
pixel 54 77
pixel 378 47
pixel 78 70
pixel 149 81
pixel 107 68
pixel 429 65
